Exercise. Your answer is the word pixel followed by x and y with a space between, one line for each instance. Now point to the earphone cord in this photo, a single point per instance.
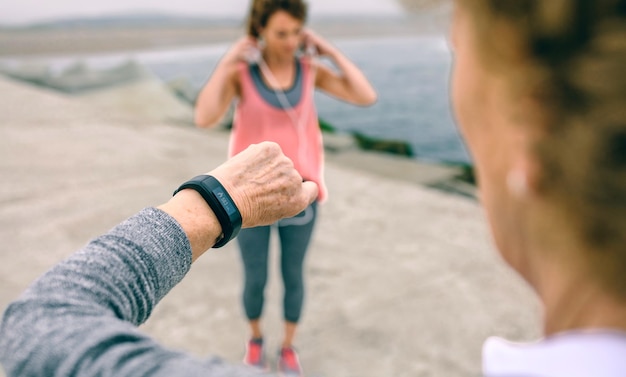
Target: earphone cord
pixel 280 94
pixel 284 102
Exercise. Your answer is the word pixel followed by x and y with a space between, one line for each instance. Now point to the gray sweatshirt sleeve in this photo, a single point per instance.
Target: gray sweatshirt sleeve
pixel 80 318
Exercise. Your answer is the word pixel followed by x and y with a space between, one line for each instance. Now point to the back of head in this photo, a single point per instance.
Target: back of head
pixel 569 56
pixel 262 10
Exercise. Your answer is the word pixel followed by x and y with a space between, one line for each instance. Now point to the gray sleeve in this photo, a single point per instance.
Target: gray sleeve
pixel 80 318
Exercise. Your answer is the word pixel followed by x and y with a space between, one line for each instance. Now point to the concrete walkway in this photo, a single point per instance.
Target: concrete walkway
pixel 402 280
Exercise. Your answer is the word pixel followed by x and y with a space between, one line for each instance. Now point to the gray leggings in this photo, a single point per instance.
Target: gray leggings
pixel 295 234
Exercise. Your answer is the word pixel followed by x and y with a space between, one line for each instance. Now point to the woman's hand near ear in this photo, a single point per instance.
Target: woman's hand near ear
pixel 219 92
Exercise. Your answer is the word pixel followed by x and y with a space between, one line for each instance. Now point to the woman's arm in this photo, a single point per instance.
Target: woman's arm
pixel 222 87
pixel 80 318
pixel 349 83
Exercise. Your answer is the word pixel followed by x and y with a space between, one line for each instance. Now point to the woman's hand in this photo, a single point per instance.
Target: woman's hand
pixel 265 185
pixel 244 49
pixel 322 46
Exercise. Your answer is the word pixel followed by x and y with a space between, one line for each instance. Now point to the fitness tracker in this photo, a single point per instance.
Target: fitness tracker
pixel 220 202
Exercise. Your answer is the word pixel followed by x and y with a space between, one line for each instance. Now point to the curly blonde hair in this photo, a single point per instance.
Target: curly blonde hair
pixel 570 56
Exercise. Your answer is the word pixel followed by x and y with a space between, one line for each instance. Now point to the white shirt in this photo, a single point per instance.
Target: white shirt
pixel 570 354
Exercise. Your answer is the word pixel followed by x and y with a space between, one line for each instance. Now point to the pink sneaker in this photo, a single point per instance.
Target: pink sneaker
pixel 289 363
pixel 255 356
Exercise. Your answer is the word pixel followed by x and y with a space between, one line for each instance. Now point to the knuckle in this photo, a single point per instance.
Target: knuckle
pixel 274 147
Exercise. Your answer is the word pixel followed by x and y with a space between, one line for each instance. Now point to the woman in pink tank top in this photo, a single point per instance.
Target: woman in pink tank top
pixel 273 82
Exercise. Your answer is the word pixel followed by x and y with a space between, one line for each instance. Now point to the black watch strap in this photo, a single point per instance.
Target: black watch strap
pixel 220 202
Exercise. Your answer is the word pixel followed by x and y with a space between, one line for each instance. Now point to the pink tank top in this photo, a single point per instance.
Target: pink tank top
pixel 256 120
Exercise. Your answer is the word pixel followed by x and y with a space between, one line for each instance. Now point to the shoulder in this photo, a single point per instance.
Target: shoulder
pixel 308 63
pixel 239 69
pixel 313 68
pixel 318 70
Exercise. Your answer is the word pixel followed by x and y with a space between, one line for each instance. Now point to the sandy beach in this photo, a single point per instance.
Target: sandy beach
pixel 402 279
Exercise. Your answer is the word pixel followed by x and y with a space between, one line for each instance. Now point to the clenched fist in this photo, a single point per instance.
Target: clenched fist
pixel 265 185
pixel 262 182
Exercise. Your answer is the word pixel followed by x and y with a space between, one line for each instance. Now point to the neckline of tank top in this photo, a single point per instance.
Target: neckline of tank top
pixel 295 81
pixel 277 98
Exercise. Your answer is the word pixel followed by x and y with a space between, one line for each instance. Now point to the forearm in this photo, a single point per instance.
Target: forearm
pixel 353 79
pixel 196 219
pixel 69 318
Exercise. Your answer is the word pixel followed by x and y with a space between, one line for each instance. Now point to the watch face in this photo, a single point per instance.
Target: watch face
pixel 228 205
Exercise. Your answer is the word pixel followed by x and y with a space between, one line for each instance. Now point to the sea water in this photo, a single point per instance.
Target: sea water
pixel 410 74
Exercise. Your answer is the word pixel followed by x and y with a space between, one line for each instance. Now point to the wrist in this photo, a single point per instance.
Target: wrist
pixel 331 51
pixel 196 218
pixel 220 202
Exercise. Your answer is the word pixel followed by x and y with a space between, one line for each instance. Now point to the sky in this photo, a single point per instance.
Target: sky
pixel 21 12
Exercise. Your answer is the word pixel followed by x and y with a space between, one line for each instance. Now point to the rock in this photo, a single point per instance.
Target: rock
pixel 397 147
pixel 147 100
pixel 183 89
pixel 79 77
pixel 326 127
pixel 30 72
pixel 339 142
pixel 126 91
